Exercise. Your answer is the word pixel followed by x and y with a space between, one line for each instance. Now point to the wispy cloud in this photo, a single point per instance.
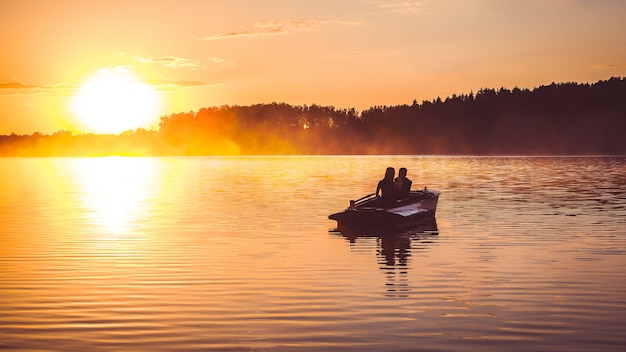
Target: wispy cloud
pixel 63 89
pixel 605 66
pixel 21 88
pixel 181 62
pixel 221 62
pixel 263 29
pixel 167 84
pixel 17 85
pixel 169 61
pixel 401 6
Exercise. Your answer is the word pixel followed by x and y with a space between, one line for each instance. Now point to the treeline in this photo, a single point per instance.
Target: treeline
pixel 561 119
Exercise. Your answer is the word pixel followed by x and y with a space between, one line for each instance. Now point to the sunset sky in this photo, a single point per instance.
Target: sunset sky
pixel 179 56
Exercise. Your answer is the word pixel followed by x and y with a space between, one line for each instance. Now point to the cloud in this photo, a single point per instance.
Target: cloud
pixel 402 6
pixel 181 62
pixel 173 84
pixel 263 29
pixel 64 89
pixel 221 62
pixel 605 66
pixel 20 88
pixel 169 61
pixel 16 85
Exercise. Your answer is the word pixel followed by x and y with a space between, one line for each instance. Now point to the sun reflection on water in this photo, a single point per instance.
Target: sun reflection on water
pixel 116 190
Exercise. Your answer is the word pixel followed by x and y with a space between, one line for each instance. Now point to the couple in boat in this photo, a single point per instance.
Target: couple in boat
pixel 390 189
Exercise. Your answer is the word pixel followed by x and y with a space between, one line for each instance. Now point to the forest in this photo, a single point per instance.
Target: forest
pixel 556 119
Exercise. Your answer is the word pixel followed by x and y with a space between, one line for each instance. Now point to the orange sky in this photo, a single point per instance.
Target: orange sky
pixel 345 53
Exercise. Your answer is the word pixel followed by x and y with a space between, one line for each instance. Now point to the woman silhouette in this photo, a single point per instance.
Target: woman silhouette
pixel 386 187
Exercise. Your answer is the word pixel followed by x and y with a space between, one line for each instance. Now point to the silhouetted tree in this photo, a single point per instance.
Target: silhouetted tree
pixel 560 118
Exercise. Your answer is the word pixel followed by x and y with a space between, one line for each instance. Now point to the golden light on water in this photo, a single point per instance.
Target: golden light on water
pixel 116 190
pixel 115 100
pixel 235 253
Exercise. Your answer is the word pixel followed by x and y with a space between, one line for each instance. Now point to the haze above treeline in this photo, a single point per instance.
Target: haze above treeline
pixel 557 119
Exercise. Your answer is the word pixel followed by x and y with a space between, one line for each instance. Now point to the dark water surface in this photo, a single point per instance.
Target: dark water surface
pixel 195 254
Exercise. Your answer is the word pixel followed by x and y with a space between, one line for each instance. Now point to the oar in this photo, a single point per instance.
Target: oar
pixel 354 202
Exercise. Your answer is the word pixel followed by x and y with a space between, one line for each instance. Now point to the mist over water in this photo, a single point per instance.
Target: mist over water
pixel 219 253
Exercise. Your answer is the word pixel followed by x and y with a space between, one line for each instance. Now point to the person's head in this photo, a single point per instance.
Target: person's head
pixel 402 172
pixel 390 173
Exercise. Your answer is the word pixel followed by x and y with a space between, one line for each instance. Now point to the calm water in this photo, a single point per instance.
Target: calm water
pixel 194 254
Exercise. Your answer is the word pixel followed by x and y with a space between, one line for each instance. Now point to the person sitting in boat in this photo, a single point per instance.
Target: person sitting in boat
pixel 386 187
pixel 402 184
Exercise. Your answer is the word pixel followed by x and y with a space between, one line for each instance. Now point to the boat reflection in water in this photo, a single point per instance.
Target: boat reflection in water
pixel 393 249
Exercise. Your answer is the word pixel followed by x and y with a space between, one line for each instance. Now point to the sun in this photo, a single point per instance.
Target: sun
pixel 115 100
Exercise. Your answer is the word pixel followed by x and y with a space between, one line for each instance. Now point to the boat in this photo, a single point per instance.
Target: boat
pixel 369 212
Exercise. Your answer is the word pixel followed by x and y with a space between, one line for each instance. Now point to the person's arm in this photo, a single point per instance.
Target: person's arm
pixel 378 189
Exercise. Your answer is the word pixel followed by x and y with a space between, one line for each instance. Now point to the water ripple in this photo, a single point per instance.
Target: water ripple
pixel 230 254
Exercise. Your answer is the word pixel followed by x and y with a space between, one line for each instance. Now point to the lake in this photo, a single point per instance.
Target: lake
pixel 238 253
